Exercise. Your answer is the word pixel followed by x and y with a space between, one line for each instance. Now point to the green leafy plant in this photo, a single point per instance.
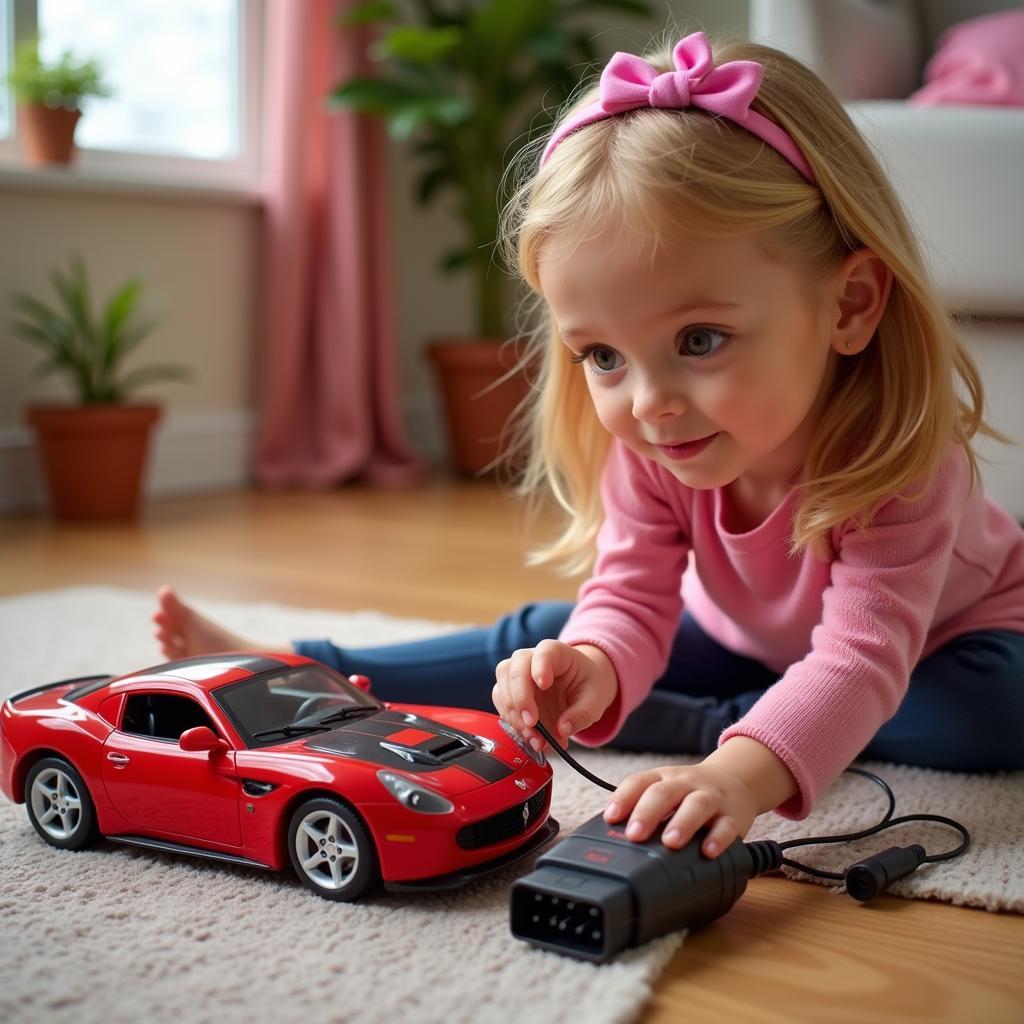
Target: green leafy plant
pixel 90 349
pixel 64 82
pixel 465 86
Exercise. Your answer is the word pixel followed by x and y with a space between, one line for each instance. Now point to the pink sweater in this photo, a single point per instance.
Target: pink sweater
pixel 843 634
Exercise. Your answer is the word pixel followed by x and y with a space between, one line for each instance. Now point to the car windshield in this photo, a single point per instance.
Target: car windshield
pixel 276 706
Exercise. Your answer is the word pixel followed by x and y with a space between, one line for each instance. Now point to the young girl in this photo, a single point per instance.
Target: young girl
pixel 750 402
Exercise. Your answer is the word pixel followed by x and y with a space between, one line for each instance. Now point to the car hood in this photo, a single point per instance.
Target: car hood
pixel 415 745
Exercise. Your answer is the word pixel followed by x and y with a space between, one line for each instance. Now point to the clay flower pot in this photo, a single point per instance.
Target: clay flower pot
pixel 94 457
pixel 477 409
pixel 47 133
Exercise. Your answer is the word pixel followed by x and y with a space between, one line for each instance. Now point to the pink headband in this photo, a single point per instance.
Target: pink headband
pixel 628 82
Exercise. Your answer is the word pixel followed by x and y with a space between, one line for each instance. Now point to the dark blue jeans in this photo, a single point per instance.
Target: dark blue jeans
pixel 963 711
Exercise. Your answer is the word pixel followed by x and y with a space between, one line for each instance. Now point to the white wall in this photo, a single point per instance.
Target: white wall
pixel 199 260
pixel 199 257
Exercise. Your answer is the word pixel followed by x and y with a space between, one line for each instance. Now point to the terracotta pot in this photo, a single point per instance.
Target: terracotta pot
pixel 477 409
pixel 94 457
pixel 47 133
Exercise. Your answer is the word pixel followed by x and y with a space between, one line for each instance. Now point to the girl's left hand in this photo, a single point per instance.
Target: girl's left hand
pixel 697 794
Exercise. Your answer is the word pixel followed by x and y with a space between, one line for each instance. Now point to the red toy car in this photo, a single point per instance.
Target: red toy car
pixel 262 759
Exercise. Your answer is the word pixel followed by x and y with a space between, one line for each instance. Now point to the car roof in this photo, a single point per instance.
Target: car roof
pixel 212 670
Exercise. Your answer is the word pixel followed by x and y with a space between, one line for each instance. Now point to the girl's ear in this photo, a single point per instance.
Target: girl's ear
pixel 861 291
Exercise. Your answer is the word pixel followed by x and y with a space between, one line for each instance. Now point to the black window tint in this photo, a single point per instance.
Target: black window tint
pixel 163 716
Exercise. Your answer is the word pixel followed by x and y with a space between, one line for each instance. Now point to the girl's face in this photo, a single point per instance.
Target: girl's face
pixel 711 359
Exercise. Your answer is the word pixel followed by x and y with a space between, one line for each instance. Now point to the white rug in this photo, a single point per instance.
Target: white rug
pixel 116 934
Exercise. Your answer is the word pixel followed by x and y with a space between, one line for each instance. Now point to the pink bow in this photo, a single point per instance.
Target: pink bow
pixel 628 82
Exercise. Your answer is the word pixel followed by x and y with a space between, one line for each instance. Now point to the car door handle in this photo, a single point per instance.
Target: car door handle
pixel 120 760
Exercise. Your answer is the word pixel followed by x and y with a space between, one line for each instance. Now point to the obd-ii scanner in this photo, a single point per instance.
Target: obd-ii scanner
pixel 597 892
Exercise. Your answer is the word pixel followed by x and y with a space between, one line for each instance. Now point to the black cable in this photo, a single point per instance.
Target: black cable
pixel 887 820
pixel 572 762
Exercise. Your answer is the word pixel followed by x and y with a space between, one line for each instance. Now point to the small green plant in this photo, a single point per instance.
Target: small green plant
pixel 61 83
pixel 468 84
pixel 90 349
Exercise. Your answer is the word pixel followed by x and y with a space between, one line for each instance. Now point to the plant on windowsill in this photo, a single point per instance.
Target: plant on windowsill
pixel 93 450
pixel 464 87
pixel 49 96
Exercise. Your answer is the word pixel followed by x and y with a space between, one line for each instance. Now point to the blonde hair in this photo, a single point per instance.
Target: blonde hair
pixel 895 407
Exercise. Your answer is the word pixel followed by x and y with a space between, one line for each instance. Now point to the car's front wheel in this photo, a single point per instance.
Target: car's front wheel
pixel 331 850
pixel 59 805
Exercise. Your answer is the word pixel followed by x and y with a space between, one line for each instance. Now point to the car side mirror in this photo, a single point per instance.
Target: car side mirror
pixel 202 737
pixel 363 682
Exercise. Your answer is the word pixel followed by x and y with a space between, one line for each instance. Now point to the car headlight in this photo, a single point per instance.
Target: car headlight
pixel 412 795
pixel 536 756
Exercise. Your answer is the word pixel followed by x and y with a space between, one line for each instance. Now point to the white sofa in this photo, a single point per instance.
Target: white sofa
pixel 959 171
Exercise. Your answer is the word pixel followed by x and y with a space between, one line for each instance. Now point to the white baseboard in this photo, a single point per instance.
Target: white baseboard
pixel 192 454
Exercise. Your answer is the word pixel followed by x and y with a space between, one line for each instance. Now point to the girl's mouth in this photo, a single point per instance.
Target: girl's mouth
pixel 687 449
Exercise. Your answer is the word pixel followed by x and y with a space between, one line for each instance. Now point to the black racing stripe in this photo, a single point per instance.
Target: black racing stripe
pixel 477 762
pixel 483 765
pixel 349 743
pixel 87 685
pixel 375 726
pixel 362 739
pixel 411 721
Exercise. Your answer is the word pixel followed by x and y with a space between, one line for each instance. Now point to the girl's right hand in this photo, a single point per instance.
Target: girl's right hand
pixel 567 688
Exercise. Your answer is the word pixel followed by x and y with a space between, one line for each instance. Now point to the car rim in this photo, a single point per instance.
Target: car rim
pixel 56 803
pixel 327 849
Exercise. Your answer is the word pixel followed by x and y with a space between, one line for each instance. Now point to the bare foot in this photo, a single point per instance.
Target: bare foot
pixel 182 632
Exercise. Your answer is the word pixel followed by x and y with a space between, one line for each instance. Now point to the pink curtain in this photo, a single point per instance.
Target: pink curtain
pixel 329 399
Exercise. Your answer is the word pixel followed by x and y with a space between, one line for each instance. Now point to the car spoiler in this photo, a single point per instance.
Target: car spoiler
pixel 85 684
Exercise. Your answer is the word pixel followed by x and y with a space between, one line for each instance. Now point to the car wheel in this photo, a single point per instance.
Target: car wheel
pixel 59 805
pixel 332 850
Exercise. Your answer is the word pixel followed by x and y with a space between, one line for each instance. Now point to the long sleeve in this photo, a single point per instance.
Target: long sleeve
pixel 631 604
pixel 885 584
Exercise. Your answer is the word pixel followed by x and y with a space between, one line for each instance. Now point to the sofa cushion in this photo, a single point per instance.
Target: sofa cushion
pixel 958 173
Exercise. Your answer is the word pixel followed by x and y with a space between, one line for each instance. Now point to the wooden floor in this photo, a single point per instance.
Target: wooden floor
pixel 787 952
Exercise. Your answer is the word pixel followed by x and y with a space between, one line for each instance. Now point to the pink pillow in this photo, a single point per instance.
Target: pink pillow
pixel 980 61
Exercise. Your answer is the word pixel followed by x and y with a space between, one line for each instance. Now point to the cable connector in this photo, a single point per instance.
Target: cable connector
pixel 765 855
pixel 868 877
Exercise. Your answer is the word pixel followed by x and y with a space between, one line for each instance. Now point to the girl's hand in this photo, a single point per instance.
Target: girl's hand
pixel 693 795
pixel 567 688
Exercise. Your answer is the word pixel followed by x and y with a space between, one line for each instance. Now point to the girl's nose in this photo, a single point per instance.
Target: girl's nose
pixel 652 402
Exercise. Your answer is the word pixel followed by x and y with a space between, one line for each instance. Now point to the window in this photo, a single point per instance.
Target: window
pixel 298 698
pixel 163 716
pixel 185 77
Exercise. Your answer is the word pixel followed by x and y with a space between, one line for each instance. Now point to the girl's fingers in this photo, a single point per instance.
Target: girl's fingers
pixel 545 663
pixel 499 693
pixel 656 803
pixel 579 715
pixel 697 808
pixel 722 833
pixel 521 685
pixel 501 696
pixel 626 794
pixel 552 659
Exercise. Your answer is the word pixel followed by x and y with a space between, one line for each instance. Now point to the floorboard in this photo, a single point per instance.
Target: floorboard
pixel 453 551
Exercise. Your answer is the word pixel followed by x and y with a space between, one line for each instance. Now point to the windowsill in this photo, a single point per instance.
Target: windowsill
pixel 75 178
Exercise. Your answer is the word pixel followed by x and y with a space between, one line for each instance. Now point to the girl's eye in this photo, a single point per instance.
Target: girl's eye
pixel 600 357
pixel 701 341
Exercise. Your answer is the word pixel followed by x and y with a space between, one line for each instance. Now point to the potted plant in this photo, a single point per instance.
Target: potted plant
pixel 93 451
pixel 49 97
pixel 464 87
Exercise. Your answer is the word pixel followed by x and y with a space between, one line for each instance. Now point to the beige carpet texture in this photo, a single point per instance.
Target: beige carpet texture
pixel 116 934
